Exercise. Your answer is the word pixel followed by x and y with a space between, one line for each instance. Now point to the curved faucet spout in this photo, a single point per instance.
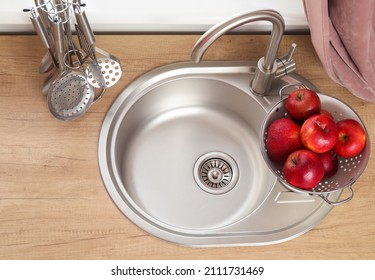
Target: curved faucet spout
pixel 220 29
pixel 267 66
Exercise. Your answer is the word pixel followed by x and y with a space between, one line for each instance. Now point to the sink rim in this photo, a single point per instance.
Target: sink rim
pixel 134 92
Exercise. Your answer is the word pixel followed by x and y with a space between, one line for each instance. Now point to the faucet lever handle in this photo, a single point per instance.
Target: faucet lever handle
pixel 291 52
pixel 286 64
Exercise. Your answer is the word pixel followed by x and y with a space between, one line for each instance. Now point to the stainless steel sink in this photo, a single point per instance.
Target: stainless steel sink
pixel 179 150
pixel 179 154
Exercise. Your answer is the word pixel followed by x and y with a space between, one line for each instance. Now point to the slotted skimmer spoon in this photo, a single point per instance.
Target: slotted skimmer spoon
pixel 102 72
pixel 70 96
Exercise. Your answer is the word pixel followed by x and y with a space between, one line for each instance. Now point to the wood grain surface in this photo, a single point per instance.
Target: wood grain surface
pixel 53 204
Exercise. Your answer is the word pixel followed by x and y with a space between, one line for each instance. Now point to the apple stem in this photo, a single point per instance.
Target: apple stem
pixel 294 160
pixel 299 95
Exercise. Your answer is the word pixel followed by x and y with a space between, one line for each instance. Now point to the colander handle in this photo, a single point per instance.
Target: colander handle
pixel 290 85
pixel 336 203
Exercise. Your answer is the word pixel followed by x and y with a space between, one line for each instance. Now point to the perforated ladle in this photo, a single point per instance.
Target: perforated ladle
pixel 70 96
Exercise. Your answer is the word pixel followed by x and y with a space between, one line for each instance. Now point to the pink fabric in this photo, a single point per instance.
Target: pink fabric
pixel 343 35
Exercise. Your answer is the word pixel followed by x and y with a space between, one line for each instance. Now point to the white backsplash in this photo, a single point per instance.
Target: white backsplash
pixel 161 15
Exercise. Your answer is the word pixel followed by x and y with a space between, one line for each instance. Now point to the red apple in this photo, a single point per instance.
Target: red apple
pixel 330 163
pixel 302 103
pixel 319 133
pixel 351 138
pixel 283 137
pixel 303 169
pixel 325 112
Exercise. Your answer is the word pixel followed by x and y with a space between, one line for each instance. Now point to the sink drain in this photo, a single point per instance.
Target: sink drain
pixel 216 172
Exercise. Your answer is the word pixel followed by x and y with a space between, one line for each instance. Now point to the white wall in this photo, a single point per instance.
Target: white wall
pixel 158 15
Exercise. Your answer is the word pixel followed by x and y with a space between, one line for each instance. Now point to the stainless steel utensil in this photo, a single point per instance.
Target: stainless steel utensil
pixel 40 6
pixel 43 34
pixel 70 96
pixel 46 64
pixel 85 34
pixel 73 57
pixel 110 71
pixel 48 61
pixel 68 89
pixel 48 81
pixel 97 78
pixel 103 72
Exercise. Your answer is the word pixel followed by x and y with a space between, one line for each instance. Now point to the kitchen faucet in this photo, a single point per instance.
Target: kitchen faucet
pixel 269 67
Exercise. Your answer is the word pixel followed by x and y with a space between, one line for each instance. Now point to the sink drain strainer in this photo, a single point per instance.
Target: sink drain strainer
pixel 216 172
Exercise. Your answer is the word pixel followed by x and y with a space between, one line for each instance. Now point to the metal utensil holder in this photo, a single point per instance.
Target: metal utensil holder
pixel 53 8
pixel 79 58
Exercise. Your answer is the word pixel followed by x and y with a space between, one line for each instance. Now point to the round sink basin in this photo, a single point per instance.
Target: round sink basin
pixel 187 154
pixel 180 156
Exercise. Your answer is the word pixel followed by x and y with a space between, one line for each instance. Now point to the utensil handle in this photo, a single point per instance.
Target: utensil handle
pixel 63 8
pixel 84 25
pixel 58 32
pixel 336 203
pixel 40 29
pixel 41 6
pixel 43 35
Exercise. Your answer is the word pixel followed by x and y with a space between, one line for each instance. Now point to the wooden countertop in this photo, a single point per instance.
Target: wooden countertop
pixel 53 204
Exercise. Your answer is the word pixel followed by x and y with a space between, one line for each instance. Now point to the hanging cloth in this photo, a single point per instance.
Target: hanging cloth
pixel 343 35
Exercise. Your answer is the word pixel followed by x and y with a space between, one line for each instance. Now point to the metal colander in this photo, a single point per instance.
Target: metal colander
pixel 349 169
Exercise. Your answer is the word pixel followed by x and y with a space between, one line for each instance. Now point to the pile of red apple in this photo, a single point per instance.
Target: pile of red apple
pixel 308 143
